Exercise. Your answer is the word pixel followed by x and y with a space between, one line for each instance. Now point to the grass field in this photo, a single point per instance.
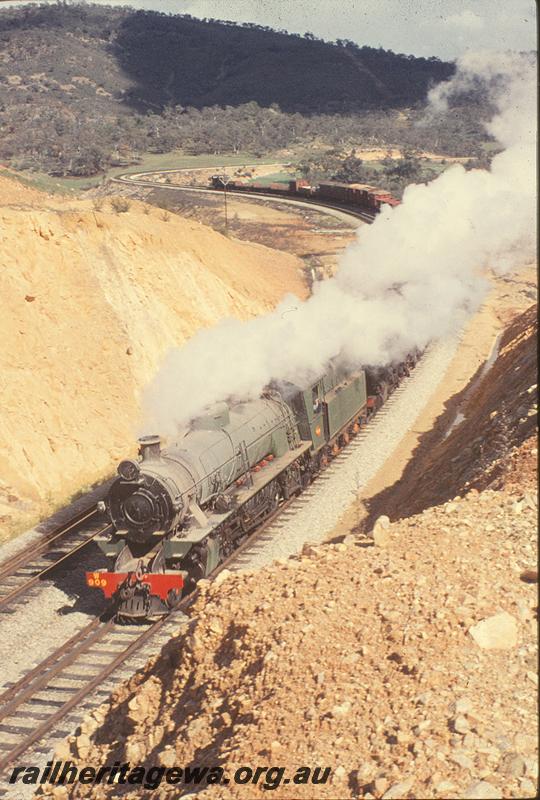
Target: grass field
pixel 46 183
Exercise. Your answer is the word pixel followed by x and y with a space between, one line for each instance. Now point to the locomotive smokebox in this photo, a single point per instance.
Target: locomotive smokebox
pixel 150 447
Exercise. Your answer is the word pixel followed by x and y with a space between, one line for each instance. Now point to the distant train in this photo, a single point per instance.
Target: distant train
pixel 356 195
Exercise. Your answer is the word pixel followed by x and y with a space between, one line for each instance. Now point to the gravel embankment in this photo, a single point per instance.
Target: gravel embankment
pixel 406 666
pixel 313 516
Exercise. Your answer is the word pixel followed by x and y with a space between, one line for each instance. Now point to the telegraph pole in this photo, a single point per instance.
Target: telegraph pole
pixel 225 181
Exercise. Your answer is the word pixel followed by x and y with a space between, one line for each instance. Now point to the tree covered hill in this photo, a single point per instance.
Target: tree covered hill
pixel 148 58
pixel 85 86
pixel 183 60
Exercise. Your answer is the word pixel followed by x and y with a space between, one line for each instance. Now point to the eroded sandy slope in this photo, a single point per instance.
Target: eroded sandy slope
pixel 91 301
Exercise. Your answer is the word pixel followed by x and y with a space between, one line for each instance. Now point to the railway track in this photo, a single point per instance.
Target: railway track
pixel 77 674
pixel 21 573
pixel 36 705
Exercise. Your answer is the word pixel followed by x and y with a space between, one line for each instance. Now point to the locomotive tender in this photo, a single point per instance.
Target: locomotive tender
pixel 178 512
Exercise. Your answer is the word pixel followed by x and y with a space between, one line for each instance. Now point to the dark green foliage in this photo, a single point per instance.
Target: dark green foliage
pixel 390 174
pixel 181 60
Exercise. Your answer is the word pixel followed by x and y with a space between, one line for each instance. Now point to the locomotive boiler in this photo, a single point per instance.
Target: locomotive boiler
pixel 152 497
pixel 173 510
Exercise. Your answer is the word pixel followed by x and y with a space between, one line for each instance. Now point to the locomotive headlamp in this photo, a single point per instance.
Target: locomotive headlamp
pixel 128 470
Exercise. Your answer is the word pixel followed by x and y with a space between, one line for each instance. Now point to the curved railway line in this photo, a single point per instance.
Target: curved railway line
pixel 23 570
pixel 135 179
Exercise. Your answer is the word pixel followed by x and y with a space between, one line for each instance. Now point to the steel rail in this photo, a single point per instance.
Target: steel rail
pixel 38 679
pixel 33 579
pixel 37 548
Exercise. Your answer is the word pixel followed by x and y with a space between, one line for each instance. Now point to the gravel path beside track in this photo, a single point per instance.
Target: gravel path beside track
pixel 315 513
pixel 55 610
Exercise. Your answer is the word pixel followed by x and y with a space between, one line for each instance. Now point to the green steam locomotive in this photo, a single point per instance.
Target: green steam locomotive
pixel 178 512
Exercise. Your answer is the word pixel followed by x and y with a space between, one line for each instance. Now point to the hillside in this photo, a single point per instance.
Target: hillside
pixel 153 60
pixel 92 299
pixel 404 660
pixel 92 85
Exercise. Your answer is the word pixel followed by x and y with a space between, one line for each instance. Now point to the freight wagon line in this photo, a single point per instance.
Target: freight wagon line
pixel 134 179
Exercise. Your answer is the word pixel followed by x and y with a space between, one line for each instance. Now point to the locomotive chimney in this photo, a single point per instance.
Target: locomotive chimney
pixel 150 447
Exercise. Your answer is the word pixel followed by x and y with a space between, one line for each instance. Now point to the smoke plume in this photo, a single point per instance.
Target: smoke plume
pixel 412 276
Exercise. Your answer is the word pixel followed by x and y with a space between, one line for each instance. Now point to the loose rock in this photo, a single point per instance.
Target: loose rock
pixel 381 532
pixel 499 632
pixel 399 790
pixel 482 790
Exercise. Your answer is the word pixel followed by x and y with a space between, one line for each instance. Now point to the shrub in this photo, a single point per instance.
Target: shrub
pixel 120 205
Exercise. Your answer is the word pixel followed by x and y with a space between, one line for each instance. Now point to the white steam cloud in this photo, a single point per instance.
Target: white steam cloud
pixel 412 276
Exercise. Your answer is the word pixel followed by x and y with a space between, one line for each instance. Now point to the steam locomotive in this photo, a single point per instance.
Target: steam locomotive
pixel 178 512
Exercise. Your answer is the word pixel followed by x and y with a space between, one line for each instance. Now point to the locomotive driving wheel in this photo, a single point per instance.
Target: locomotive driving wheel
pixel 246 523
pixel 322 461
pixel 306 477
pixel 274 501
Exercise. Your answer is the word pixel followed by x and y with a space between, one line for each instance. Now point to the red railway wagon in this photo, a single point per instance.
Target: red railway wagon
pixel 351 194
pixel 342 192
pixel 356 194
pixel 385 197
